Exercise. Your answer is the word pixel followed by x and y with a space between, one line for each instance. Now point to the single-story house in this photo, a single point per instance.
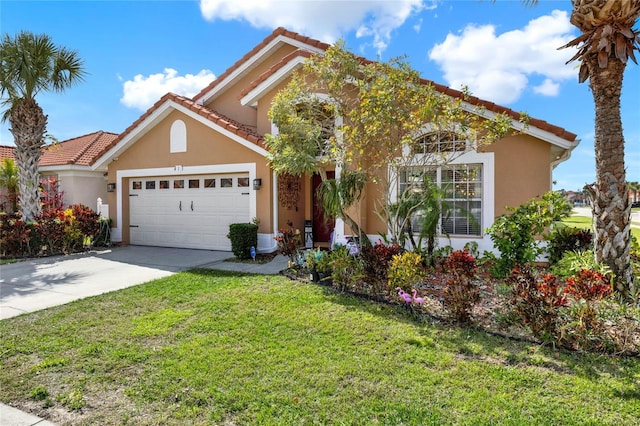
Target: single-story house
pixel 189 167
pixel 71 163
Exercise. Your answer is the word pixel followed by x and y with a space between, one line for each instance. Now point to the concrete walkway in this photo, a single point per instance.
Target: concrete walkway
pixel 32 285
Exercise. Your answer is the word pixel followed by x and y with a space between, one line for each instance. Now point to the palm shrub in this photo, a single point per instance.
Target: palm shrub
pixel 564 238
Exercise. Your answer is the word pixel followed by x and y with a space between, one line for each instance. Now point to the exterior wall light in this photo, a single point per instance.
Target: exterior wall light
pixel 111 187
pixel 257 184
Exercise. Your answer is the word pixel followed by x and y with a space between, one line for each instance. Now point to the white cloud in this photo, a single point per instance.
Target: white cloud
pixel 324 20
pixel 498 67
pixel 548 88
pixel 144 91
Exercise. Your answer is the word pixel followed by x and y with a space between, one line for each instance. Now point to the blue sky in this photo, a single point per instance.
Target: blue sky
pixel 505 52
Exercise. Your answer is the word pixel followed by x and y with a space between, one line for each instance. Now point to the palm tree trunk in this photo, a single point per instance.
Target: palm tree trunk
pixel 28 125
pixel 609 194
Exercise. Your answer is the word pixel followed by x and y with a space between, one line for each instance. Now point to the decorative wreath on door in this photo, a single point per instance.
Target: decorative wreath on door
pixel 288 190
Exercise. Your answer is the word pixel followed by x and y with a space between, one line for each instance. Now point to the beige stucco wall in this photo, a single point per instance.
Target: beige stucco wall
pixel 228 102
pixel 522 170
pixel 205 146
pixel 80 187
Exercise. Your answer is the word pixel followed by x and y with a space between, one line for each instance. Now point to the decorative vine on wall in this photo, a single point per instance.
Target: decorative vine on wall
pixel 288 190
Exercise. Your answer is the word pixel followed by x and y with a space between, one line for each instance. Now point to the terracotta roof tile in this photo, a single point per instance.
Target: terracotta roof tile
pixel 7 152
pixel 274 68
pixel 213 116
pixel 80 151
pixel 280 31
pixel 490 106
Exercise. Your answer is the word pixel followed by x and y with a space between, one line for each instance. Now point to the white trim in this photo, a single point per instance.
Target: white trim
pixel 487 159
pixel 527 129
pixel 156 116
pixel 254 61
pixel 177 171
pixel 251 98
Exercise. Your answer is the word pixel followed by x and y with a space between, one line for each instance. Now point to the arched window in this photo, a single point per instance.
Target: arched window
pixel 440 142
pixel 178 137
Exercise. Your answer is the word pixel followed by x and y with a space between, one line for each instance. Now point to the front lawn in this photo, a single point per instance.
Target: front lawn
pixel 210 347
pixel 584 222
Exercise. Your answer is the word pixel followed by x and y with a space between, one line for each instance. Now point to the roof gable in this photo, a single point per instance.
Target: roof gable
pixel 254 57
pixel 242 134
pixel 538 128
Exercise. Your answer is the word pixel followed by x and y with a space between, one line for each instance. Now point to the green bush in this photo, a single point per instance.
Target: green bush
pixel 564 238
pixel 514 234
pixel 243 236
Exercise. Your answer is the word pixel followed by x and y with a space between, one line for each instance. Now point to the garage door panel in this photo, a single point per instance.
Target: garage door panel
pixel 187 217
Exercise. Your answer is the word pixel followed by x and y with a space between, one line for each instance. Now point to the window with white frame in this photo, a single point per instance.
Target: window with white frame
pixel 462 188
pixel 440 142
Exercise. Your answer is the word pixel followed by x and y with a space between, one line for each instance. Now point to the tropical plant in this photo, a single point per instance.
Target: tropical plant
pixel 461 293
pixel 9 180
pixel 30 64
pixel 607 41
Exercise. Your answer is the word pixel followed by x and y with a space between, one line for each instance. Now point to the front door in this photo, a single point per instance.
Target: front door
pixel 322 224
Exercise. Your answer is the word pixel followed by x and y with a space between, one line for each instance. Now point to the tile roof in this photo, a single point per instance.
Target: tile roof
pixel 280 31
pixel 244 131
pixel 80 151
pixel 274 68
pixel 490 106
pixel 7 152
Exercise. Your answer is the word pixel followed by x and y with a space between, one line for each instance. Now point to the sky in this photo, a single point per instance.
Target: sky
pixel 504 51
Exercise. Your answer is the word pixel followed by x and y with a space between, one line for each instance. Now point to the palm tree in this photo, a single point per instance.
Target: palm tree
pixel 29 64
pixel 9 180
pixel 608 40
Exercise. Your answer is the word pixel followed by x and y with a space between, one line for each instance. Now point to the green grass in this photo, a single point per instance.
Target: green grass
pixel 584 222
pixel 209 347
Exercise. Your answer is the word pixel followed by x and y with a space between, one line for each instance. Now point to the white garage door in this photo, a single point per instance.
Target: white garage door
pixel 187 211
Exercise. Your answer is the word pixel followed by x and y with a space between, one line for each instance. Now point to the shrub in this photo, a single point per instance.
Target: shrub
pixel 537 301
pixel 86 220
pixel 375 262
pixel 586 287
pixel 514 234
pixel 288 242
pixel 564 239
pixel 405 270
pixel 14 235
pixel 50 227
pixel 573 262
pixel 461 294
pixel 243 236
pixel 346 269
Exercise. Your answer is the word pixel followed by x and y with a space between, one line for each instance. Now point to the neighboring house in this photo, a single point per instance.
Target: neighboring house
pixel 71 162
pixel 187 168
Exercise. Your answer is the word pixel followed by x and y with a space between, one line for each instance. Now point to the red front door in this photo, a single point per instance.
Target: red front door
pixel 322 225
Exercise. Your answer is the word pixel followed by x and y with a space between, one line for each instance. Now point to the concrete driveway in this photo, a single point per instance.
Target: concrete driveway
pixel 41 283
